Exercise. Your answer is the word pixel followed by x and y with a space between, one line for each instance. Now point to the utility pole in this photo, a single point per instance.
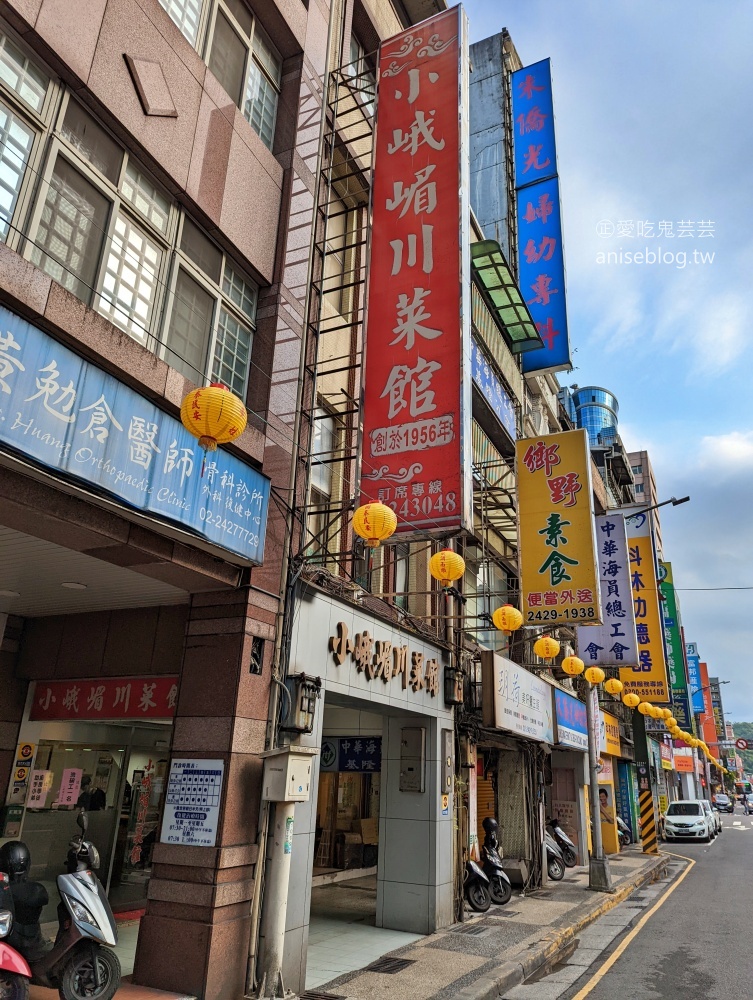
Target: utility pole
pixel 599 877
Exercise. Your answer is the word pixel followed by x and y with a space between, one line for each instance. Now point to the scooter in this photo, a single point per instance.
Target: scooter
pixel 569 854
pixel 78 964
pixel 555 863
pixel 500 887
pixel 476 886
pixel 624 835
pixel 14 969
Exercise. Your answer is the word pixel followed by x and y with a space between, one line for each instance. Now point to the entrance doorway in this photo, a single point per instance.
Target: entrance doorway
pixel 118 772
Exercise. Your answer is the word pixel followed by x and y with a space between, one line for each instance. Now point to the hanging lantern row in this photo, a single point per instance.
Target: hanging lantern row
pixel 646 708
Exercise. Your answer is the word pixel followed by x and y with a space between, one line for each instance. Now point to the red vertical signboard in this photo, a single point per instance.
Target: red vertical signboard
pixel 416 403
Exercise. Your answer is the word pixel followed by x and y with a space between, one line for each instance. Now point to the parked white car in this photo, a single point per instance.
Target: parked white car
pixel 715 815
pixel 687 819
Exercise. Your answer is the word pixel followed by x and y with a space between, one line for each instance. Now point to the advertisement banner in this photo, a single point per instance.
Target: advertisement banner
pixel 533 124
pixel 707 715
pixel 673 646
pixel 613 644
pixel 649 678
pixel 542 274
pixel 694 678
pixel 556 530
pixel 106 698
pixel 540 254
pixel 572 728
pixel 609 734
pixel 497 397
pixel 515 699
pixel 683 758
pixel 665 754
pixel 72 417
pixel 416 406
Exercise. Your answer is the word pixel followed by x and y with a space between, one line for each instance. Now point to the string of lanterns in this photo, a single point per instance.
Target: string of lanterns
pixel 376 522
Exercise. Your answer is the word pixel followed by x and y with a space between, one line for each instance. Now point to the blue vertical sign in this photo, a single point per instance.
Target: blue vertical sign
pixel 541 265
pixel 534 151
pixel 694 679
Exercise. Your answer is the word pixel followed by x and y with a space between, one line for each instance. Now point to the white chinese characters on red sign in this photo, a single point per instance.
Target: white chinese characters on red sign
pixel 413 350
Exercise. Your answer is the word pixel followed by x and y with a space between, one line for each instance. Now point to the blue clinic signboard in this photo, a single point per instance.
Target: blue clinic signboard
pixel 572 729
pixel 534 150
pixel 694 679
pixel 541 261
pixel 72 417
pixel 493 391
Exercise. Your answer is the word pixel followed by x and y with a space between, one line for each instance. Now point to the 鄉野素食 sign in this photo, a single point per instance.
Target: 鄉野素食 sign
pixel 416 406
pixel 559 581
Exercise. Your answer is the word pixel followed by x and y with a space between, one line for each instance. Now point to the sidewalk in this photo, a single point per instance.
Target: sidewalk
pixel 492 952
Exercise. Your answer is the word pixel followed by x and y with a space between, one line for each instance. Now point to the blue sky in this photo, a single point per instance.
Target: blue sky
pixel 652 115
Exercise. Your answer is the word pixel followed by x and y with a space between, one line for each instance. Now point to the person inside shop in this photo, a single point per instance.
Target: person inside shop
pixel 605 811
pixel 91 799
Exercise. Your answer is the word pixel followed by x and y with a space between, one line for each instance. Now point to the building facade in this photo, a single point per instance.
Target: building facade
pixel 160 165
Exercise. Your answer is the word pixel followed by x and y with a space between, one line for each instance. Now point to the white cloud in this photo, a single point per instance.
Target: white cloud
pixel 731 453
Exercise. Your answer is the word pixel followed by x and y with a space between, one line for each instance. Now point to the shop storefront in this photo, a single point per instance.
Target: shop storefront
pixel 382 806
pixel 566 798
pixel 609 753
pixel 102 743
pixel 684 766
pixel 121 573
pixel 518 716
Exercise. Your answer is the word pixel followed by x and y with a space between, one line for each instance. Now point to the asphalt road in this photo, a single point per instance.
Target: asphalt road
pixel 698 944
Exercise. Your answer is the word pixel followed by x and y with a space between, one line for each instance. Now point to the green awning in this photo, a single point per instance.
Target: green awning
pixel 503 298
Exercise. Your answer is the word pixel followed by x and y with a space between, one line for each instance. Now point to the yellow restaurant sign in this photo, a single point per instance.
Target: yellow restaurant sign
pixel 559 579
pixel 649 678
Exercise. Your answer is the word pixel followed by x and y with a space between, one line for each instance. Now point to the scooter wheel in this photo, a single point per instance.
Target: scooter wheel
pixel 500 890
pixel 571 858
pixel 13 987
pixel 556 869
pixel 478 897
pixel 77 981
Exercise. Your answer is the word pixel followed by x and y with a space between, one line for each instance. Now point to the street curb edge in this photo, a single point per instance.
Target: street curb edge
pixel 512 974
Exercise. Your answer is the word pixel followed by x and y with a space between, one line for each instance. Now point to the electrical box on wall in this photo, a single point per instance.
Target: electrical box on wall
pixel 287 774
pixel 412 758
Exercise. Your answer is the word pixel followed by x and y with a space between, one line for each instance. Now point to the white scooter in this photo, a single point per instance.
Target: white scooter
pixel 80 964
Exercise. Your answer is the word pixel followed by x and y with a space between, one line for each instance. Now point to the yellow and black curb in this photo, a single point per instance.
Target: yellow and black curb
pixel 553 946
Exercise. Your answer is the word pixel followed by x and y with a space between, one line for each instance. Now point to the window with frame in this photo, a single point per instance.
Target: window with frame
pixel 212 311
pixel 322 524
pixel 401 575
pixel 23 92
pixel 360 68
pixel 238 52
pixel 106 231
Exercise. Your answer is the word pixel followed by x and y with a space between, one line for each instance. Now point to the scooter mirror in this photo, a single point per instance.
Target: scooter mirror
pixel 82 820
